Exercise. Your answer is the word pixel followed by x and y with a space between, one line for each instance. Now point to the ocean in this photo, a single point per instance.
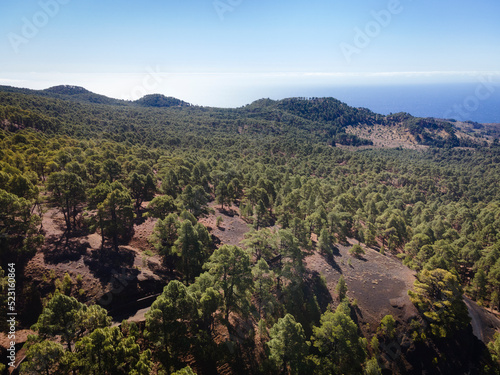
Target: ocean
pixel 479 102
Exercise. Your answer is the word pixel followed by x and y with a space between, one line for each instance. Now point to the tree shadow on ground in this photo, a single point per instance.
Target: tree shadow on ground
pixel 330 259
pixel 140 217
pixel 105 262
pixel 227 211
pixel 62 249
pixel 317 287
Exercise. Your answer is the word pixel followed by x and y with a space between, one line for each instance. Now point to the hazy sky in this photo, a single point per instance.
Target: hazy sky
pixel 228 52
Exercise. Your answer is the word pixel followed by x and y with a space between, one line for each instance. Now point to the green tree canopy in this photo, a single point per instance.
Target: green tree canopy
pixel 341 288
pixel 264 282
pixel 190 249
pixel 161 206
pixel 106 351
pixel 19 232
pixel 66 317
pixel 68 191
pixel 43 358
pixel 438 295
pixel 230 267
pixel 115 212
pixel 169 319
pixel 341 349
pixel 141 188
pixel 288 347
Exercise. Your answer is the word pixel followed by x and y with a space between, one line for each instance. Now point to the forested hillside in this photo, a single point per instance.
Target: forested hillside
pixel 159 119
pixel 107 166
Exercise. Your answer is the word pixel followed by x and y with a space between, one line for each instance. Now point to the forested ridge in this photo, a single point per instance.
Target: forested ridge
pixel 108 164
pixel 156 120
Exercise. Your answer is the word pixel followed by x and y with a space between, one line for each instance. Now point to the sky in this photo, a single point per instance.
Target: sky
pixel 229 52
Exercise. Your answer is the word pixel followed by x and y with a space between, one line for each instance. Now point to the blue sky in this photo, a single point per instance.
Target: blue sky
pixel 246 49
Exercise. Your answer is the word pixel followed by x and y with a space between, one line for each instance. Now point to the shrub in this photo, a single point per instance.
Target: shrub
pixel 219 221
pixel 356 251
pixel 388 326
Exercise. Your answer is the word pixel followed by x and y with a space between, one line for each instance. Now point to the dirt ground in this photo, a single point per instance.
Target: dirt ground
pixel 232 229
pixel 379 283
pixel 394 136
pixel 386 137
pixel 21 338
pixel 231 232
pixel 83 256
pixel 107 276
pixel 485 323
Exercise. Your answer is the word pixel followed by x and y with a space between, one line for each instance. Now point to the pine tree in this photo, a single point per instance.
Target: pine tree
pixel 141 188
pixel 262 215
pixel 184 371
pixel 210 302
pixel 264 281
pixel 161 206
pixel 230 267
pixel 169 319
pixel 43 358
pixel 66 317
pixel 356 251
pixel 189 248
pixel 261 242
pixel 164 236
pixel 388 326
pixel 438 295
pixel 287 346
pixel 341 288
pixel 19 233
pixel 325 242
pixel 107 351
pixel 222 194
pixel 68 191
pixel 116 214
pixel 479 284
pixel 341 349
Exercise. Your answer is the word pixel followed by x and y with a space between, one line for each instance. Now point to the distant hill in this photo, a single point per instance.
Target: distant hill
pixel 81 94
pixel 342 122
pixel 158 101
pixel 67 92
pixel 325 120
